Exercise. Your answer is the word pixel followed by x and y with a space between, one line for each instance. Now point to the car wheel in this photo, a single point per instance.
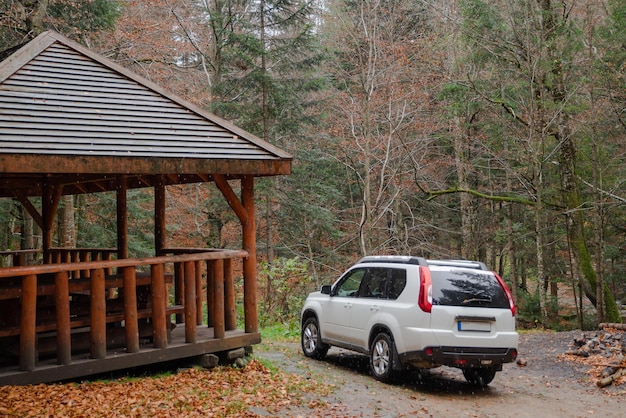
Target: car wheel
pixel 312 345
pixel 382 357
pixel 480 377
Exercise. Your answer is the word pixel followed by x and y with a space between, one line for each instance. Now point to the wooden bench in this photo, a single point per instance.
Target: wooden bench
pixel 78 287
pixel 85 321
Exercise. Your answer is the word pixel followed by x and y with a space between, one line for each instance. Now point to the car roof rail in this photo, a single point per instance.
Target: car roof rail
pixel 478 265
pixel 398 259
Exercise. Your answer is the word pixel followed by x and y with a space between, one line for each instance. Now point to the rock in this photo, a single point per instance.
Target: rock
pixel 208 361
pixel 235 354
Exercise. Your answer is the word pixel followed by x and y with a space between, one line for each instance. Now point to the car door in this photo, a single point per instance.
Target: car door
pixel 335 322
pixel 368 304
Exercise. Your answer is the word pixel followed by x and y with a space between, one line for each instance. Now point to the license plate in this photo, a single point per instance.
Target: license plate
pixel 474 326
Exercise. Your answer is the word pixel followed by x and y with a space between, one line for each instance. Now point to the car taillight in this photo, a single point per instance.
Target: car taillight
pixel 425 299
pixel 509 295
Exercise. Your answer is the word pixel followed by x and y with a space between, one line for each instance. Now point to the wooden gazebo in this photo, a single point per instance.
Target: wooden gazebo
pixel 74 122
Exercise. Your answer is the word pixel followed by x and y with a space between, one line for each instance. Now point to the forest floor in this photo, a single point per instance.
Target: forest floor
pixel 281 382
pixel 544 383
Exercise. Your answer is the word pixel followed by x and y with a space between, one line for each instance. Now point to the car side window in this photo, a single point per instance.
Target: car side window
pixel 349 284
pixel 374 283
pixel 397 283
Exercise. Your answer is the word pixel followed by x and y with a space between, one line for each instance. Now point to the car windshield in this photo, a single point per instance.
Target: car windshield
pixel 467 288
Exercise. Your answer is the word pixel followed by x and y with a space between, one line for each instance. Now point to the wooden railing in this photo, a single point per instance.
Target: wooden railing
pixel 15 258
pixel 80 300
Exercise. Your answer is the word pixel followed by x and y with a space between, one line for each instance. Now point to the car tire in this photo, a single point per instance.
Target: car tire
pixel 382 357
pixel 480 377
pixel 311 340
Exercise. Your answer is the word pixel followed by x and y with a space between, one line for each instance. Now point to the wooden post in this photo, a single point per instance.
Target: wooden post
pixel 191 327
pixel 131 326
pixel 218 304
pixel 47 214
pixel 122 218
pixel 210 290
pixel 198 270
pixel 159 217
pixel 28 331
pixel 159 302
pixel 179 288
pixel 230 313
pixel 62 300
pixel 98 314
pixel 249 263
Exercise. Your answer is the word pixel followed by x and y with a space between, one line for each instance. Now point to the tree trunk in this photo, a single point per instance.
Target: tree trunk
pixel 67 226
pixel 567 159
pixel 465 199
pixel 28 241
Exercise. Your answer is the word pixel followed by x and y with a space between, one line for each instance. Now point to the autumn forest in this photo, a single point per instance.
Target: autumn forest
pixel 481 129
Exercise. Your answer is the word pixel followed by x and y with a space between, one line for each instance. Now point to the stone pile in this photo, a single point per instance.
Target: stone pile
pixel 609 345
pixel 604 343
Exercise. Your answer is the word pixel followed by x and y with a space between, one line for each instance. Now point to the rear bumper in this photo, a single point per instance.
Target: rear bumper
pixel 462 357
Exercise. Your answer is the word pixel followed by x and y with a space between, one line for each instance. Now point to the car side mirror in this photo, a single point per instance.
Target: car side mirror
pixel 325 289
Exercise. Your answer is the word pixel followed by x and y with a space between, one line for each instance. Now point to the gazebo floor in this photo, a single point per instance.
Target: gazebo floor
pixel 117 359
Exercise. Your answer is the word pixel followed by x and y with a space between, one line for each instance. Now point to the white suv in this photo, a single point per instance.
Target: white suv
pixel 408 311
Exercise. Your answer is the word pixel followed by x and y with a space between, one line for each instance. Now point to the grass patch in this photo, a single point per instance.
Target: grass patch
pixel 281 332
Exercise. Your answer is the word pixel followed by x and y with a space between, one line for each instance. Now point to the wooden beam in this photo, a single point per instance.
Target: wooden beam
pixel 30 208
pixel 231 198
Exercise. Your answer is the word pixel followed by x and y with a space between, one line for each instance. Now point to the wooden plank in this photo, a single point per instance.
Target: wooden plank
pixel 76 286
pixel 177 351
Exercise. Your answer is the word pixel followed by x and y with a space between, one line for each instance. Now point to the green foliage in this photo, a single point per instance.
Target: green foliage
pixel 283 286
pixel 529 310
pixel 97 222
pixel 282 331
pixel 9 220
pixel 21 21
pixel 311 198
pixel 83 17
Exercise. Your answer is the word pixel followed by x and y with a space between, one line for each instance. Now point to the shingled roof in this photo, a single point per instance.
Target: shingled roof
pixel 69 114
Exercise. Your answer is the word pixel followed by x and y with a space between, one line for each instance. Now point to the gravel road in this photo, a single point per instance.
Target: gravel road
pixel 545 387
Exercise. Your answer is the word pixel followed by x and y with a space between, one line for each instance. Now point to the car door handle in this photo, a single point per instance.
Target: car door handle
pixel 374 308
pixel 347 305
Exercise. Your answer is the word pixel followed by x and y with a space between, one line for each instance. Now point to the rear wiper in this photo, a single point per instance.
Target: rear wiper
pixel 476 301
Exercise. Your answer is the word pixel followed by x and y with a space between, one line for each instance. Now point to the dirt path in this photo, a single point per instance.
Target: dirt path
pixel 545 387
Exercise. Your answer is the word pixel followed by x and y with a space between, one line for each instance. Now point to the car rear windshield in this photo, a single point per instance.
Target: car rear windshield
pixel 467 288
